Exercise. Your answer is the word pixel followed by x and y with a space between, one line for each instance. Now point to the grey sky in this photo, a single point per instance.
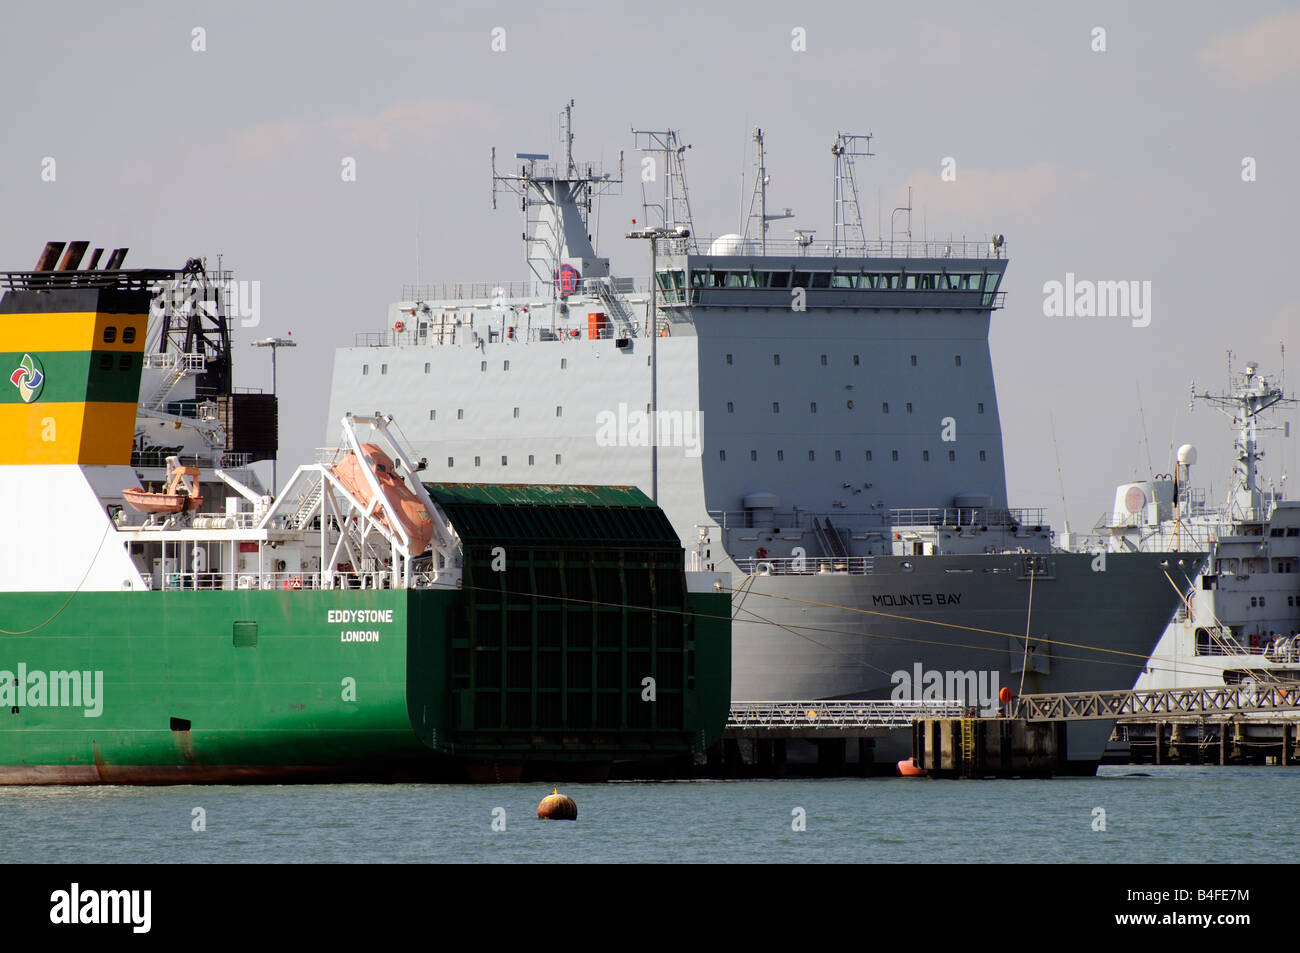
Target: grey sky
pixel 1116 165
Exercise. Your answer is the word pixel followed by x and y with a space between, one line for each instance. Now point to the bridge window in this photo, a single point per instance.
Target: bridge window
pixel 779 279
pixel 841 281
pixel 801 279
pixel 128 335
pixel 110 334
pixel 821 279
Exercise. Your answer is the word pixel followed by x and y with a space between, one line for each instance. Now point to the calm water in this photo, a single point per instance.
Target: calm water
pixel 1174 814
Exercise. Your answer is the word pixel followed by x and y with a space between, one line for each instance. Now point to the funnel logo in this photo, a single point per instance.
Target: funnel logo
pixel 28 378
pixel 566 280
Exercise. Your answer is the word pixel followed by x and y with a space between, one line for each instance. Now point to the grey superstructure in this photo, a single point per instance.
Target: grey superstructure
pixel 823 432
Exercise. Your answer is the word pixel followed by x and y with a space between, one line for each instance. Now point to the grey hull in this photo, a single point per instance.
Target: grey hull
pixel 920 627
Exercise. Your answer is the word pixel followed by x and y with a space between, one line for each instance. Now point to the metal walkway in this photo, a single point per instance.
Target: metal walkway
pixel 831 718
pixel 1223 700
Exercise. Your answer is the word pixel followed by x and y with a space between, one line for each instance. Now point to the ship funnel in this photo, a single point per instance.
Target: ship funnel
pixel 72 258
pixel 49 256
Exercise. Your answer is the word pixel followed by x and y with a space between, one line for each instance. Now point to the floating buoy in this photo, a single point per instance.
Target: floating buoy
pixel 1004 696
pixel 557 807
pixel 908 769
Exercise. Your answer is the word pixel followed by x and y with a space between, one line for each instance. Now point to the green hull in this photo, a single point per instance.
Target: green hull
pixel 256 686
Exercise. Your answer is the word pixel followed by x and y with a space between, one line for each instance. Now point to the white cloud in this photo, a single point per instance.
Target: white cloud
pixel 408 118
pixel 977 195
pixel 1259 54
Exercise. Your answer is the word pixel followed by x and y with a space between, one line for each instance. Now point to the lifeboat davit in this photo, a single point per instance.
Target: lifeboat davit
pixel 399 503
pixel 181 493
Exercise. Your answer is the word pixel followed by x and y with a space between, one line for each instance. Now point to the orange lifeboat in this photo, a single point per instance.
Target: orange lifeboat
pixel 398 502
pixel 181 493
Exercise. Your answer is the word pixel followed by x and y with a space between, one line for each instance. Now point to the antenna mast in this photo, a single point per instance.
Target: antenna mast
pixel 848 212
pixel 758 200
pixel 675 211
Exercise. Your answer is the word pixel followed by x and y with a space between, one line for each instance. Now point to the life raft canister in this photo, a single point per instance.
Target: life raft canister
pixel 399 326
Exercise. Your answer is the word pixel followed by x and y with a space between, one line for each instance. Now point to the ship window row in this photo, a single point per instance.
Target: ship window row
pixel 110 334
pixel 505 460
pixel 1284 531
pixel 124 362
pixel 908 407
pixel 839 457
pixel 673 282
pixel 857 362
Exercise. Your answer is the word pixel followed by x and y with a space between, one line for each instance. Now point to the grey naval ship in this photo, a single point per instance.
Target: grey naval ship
pixel 1239 620
pixel 818 418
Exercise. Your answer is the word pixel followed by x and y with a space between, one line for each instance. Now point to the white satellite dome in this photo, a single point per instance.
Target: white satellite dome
pixel 731 244
pixel 1187 454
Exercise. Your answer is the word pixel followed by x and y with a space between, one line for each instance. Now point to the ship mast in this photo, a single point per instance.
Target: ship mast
pixel 758 200
pixel 847 214
pixel 1253 395
pixel 556 202
pixel 675 210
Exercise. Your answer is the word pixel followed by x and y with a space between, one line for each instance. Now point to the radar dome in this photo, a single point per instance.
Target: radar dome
pixel 731 244
pixel 1187 454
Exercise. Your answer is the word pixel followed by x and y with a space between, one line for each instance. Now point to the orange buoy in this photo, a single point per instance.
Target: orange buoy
pixel 557 807
pixel 1004 696
pixel 908 769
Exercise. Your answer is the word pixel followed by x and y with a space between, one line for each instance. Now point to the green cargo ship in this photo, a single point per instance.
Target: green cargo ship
pixel 360 625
